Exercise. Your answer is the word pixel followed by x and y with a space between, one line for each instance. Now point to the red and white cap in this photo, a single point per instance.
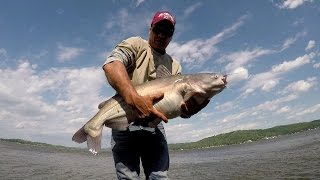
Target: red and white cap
pixel 163 15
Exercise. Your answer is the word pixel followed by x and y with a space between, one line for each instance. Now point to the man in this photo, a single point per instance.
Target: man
pixel 132 62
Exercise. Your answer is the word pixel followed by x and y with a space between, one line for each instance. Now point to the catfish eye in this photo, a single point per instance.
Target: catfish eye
pixel 216 76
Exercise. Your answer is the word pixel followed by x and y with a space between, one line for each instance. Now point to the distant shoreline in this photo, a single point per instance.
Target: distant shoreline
pixel 231 138
pixel 245 136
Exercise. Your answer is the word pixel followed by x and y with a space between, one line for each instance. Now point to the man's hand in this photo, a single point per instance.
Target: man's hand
pixel 192 107
pixel 144 106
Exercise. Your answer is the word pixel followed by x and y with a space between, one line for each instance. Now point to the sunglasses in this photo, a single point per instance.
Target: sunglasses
pixel 164 31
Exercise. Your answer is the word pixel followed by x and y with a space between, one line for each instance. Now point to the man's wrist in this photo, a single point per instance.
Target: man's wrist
pixel 129 97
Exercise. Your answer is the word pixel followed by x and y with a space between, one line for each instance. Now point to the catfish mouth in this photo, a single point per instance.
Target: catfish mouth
pixel 224 79
pixel 216 90
pixel 223 83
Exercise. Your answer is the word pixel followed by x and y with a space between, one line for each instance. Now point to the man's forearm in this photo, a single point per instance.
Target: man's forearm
pixel 118 78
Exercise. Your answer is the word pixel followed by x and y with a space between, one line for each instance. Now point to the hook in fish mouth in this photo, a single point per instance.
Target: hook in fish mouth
pixel 224 79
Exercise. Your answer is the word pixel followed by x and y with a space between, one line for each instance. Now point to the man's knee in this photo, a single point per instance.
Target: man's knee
pixel 123 172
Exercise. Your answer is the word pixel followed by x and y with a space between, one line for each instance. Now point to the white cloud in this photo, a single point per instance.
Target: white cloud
pixel 274 104
pixel 311 44
pixel 268 85
pixel 317 65
pixel 41 54
pixel 139 2
pixel 60 11
pixel 81 84
pixel 27 124
pixel 237 116
pixel 189 10
pixel 268 80
pixel 188 132
pixel 285 109
pixel 3 57
pixel 237 75
pixel 300 86
pixel 227 106
pixel 259 81
pixel 292 4
pixel 171 131
pixel 104 55
pixel 289 41
pixel 290 65
pixel 266 107
pixel 195 52
pixel 192 53
pixel 248 91
pixel 3 54
pixel 68 53
pixel 48 101
pixel 121 20
pixel 241 58
pixel 309 110
pixel 297 22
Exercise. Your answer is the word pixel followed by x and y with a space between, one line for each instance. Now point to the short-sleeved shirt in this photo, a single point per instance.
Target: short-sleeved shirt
pixel 141 60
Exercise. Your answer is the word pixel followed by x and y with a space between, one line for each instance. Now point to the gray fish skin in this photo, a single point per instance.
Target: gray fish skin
pixel 117 114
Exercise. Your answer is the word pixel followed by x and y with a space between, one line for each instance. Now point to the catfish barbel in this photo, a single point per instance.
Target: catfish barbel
pixel 115 113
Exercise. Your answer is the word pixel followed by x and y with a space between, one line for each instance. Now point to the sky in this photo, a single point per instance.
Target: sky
pixel 52 52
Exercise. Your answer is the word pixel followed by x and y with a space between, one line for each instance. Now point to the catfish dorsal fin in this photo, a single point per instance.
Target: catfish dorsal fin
pixel 162 71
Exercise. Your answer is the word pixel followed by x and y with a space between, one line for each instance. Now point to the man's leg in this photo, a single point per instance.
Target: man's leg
pixel 155 155
pixel 125 155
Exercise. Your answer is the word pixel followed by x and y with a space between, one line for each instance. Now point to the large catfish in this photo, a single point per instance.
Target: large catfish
pixel 117 114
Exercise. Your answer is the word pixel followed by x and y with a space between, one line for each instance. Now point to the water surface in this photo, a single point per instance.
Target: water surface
pixel 293 156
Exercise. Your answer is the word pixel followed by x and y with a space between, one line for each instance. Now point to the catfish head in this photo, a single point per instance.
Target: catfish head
pixel 206 85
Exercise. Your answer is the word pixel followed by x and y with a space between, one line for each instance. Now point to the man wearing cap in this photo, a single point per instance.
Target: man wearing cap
pixel 132 62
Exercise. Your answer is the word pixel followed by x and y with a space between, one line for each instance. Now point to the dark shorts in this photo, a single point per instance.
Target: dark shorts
pixel 147 144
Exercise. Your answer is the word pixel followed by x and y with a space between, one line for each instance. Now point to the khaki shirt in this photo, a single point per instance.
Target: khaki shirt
pixel 141 61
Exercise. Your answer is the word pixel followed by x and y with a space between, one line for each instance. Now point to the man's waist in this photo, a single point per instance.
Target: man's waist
pixel 142 126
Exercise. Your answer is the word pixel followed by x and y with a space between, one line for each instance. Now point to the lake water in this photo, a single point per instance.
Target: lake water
pixel 295 156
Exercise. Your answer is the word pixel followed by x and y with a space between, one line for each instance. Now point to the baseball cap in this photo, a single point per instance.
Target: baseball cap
pixel 163 15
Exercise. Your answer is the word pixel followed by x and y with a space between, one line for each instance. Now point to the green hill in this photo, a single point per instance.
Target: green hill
pixel 235 137
pixel 21 141
pixel 242 136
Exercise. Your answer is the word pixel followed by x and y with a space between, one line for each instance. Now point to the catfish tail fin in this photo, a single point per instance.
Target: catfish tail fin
pixel 80 136
pixel 94 143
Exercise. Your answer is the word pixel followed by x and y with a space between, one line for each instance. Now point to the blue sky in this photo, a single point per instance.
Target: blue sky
pixel 51 53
